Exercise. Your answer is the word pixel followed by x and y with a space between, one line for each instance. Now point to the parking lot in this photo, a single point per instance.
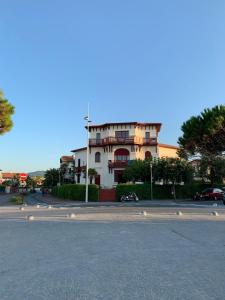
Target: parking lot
pixel 56 257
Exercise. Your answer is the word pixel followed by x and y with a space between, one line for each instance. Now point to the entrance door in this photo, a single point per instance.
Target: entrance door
pixel 98 179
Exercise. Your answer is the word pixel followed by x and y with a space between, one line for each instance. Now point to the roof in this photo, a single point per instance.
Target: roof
pixel 168 146
pixel 158 125
pixel 66 158
pixel 9 175
pixel 79 149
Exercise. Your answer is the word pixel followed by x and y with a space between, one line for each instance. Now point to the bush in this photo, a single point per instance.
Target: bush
pixel 76 192
pixel 143 191
pixel 2 188
pixel 17 200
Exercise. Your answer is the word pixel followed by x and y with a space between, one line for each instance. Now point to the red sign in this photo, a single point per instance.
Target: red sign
pixel 23 176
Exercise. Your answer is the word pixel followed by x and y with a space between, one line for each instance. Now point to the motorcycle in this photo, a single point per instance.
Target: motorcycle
pixel 129 197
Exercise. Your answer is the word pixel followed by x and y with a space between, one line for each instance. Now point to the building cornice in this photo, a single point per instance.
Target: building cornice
pixel 168 146
pixel 157 125
pixel 79 149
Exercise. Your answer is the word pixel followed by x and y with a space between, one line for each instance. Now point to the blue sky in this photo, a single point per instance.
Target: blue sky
pixel 137 60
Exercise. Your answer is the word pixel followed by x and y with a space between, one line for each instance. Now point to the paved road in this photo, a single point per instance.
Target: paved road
pixel 35 199
pixel 163 260
pixel 5 199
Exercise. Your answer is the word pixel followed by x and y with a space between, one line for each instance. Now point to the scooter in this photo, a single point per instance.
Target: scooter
pixel 130 197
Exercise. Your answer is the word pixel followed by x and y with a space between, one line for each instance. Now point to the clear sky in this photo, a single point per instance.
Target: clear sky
pixel 133 60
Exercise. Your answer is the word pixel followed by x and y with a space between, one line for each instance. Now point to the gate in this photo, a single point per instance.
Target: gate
pixel 107 195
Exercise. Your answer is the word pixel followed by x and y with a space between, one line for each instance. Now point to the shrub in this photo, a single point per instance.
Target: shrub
pixel 76 192
pixel 143 191
pixel 17 200
pixel 2 188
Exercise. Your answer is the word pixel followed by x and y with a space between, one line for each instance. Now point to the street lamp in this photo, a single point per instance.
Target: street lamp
pixel 59 177
pixel 87 164
pixel 151 178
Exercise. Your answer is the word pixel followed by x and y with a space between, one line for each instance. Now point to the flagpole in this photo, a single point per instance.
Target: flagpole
pixel 87 164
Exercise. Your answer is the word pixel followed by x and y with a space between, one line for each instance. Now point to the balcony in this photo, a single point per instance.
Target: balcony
pixel 149 141
pixel 96 142
pixel 132 140
pixel 80 169
pixel 118 164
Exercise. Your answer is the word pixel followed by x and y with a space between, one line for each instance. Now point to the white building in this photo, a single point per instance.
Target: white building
pixel 112 146
pixel 67 169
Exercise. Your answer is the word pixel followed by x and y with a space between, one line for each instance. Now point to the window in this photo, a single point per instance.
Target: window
pixel 132 148
pixel 98 136
pixel 121 154
pixel 122 134
pixel 97 157
pixel 147 135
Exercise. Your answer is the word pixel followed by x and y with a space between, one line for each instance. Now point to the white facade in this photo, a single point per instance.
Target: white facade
pixel 112 146
pixel 67 169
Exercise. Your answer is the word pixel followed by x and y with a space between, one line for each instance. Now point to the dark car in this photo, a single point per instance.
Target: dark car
pixel 210 194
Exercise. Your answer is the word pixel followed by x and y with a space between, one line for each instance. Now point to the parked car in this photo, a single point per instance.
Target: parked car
pixel 210 194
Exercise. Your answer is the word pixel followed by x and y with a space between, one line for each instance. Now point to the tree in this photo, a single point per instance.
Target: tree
pixel 51 177
pixel 204 136
pixel 92 173
pixel 6 112
pixel 30 182
pixel 167 170
pixel 173 171
pixel 216 172
pixel 16 180
pixel 136 171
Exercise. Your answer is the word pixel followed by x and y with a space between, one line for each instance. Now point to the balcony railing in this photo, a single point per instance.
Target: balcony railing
pixel 80 169
pixel 118 163
pixel 132 140
pixel 149 141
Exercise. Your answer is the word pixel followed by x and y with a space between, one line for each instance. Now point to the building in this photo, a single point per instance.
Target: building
pixel 112 146
pixel 9 176
pixel 67 169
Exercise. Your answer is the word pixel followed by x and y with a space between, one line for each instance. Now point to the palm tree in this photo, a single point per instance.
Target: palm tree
pixel 92 173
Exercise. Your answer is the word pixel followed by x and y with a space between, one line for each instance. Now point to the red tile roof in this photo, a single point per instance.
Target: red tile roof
pixel 9 175
pixel 66 158
pixel 168 146
pixel 79 149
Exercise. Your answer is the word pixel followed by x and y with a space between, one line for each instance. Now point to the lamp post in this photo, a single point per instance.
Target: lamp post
pixel 151 178
pixel 87 163
pixel 59 177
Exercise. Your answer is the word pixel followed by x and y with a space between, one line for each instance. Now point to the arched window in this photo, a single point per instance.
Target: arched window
pixel 97 157
pixel 148 155
pixel 121 154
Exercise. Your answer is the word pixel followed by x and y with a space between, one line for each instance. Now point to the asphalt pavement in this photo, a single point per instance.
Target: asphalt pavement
pixel 158 260
pixel 146 250
pixel 37 198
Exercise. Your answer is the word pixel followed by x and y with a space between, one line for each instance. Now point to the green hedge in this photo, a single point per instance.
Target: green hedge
pixel 76 192
pixel 143 191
